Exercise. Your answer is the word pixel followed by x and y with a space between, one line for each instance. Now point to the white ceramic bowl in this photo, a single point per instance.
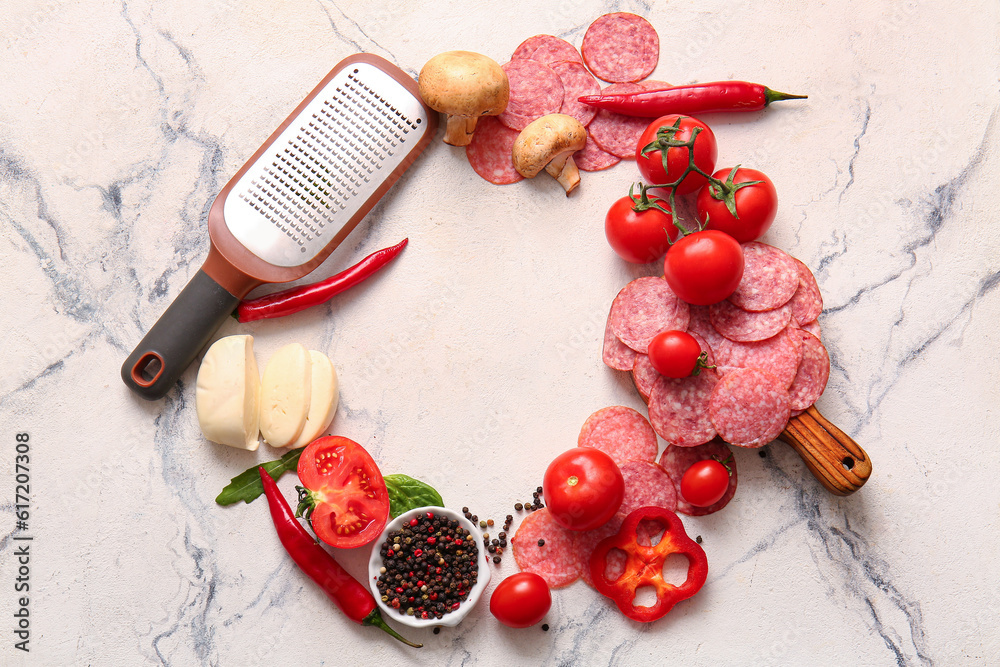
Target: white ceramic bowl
pixel 451 618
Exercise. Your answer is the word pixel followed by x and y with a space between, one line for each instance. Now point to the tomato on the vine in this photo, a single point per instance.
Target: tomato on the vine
pixel 650 160
pixel 521 600
pixel 640 229
pixel 704 267
pixel 755 205
pixel 346 499
pixel 675 354
pixel 705 482
pixel 583 488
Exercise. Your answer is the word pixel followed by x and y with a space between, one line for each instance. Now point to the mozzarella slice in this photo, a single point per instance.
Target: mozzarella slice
pixel 227 393
pixel 325 397
pixel 285 395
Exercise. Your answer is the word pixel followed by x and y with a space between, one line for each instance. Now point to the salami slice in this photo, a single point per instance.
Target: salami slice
pixel 807 302
pixel 813 373
pixel 646 485
pixel 676 460
pixel 593 157
pixel 621 47
pixel 535 90
pixel 747 326
pixel 576 81
pixel 614 132
pixel 644 376
pixel 700 323
pixel 644 308
pixel 778 355
pixel 547 49
pixel 558 560
pixel 678 408
pixel 652 84
pixel 813 328
pixel 615 353
pixel 770 278
pixel 621 433
pixel 749 408
pixel 489 152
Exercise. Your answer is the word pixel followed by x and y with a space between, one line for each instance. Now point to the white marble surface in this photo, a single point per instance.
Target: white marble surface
pixel 474 359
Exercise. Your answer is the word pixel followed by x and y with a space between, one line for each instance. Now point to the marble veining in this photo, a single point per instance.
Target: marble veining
pixel 475 358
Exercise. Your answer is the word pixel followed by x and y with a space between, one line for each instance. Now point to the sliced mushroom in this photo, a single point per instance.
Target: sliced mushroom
pixel 464 86
pixel 549 142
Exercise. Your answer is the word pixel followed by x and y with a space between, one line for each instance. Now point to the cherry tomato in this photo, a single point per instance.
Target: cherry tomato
pixel 705 482
pixel 705 267
pixel 583 488
pixel 674 353
pixel 705 152
pixel 639 236
pixel 755 205
pixel 349 498
pixel 521 600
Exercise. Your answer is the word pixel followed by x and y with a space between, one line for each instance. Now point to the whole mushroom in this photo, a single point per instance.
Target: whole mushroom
pixel 464 86
pixel 549 142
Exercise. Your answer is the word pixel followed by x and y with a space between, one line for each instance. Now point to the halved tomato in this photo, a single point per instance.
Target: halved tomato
pixel 345 491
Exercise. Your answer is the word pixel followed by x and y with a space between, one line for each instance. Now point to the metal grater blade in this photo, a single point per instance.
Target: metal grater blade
pixel 324 166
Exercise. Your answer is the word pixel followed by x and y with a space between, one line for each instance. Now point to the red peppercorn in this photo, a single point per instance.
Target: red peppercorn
pixel 418 553
pixel 432 540
pixel 454 606
pixel 399 589
pixel 458 543
pixel 433 596
pixel 391 553
pixel 413 522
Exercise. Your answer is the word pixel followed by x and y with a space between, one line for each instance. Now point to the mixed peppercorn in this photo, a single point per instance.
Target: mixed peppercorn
pixel 429 566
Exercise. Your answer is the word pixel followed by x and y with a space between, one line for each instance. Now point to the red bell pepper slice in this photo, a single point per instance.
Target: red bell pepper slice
pixel 644 565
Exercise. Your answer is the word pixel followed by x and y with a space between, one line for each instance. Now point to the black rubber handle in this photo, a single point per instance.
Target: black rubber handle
pixel 183 330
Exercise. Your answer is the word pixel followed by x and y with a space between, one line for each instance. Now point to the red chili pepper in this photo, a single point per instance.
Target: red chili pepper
pixel 294 299
pixel 347 593
pixel 692 99
pixel 644 566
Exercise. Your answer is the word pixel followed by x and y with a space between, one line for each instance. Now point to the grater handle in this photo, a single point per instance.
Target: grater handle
pixel 183 330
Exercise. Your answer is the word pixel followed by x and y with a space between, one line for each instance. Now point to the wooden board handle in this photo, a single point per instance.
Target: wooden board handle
pixel 830 454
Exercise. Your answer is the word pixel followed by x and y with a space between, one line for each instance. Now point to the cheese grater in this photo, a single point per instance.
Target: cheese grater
pixel 291 205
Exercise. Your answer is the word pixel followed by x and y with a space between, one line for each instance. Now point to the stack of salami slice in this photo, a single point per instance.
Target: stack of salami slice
pixel 764 342
pixel 770 364
pixel 562 556
pixel 548 75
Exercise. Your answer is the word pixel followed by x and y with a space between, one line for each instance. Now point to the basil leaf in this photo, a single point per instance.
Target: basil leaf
pixel 247 485
pixel 406 493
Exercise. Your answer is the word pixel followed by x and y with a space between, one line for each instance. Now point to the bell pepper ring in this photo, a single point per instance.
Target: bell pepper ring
pixel 644 565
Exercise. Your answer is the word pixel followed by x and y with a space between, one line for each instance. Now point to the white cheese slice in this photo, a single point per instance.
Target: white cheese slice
pixel 227 393
pixel 285 395
pixel 325 397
